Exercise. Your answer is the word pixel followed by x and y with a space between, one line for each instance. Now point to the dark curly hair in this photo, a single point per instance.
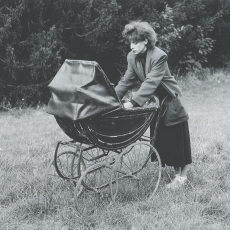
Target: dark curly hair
pixel 137 31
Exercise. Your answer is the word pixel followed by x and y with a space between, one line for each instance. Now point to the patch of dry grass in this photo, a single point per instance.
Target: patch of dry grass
pixel 27 142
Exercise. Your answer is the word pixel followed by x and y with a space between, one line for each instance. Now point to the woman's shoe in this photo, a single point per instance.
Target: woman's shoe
pixel 177 182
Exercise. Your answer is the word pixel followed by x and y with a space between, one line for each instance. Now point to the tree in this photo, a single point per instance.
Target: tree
pixel 36 36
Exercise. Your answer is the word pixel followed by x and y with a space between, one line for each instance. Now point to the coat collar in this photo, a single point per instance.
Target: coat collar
pixel 143 72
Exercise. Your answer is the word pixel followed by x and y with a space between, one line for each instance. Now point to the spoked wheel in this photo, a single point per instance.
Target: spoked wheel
pixel 136 176
pixel 61 178
pixel 94 179
pixel 66 165
pixel 97 195
pixel 67 162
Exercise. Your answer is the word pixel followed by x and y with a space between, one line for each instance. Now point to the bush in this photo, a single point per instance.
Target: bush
pixel 37 36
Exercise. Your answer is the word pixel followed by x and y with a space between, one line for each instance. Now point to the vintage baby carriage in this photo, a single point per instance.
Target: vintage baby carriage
pixel 109 154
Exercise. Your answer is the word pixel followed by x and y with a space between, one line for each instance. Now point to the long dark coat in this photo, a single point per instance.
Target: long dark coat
pixel 156 73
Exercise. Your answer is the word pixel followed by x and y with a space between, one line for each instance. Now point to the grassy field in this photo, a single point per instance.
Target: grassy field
pixel 27 143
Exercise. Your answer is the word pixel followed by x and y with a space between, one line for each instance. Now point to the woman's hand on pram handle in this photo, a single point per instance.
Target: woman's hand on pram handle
pixel 128 105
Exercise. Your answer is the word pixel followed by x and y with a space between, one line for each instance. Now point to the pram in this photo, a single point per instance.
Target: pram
pixel 110 156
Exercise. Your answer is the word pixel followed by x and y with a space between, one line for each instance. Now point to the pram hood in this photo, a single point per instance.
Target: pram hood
pixel 80 90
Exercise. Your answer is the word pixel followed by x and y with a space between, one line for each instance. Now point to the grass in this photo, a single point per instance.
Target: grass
pixel 27 142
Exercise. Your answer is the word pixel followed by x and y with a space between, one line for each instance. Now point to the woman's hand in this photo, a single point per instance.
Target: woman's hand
pixel 128 105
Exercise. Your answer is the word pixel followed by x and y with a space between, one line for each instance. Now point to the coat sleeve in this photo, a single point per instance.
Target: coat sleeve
pixel 126 82
pixel 152 80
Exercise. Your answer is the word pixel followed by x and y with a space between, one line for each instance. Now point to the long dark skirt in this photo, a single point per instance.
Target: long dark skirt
pixel 173 144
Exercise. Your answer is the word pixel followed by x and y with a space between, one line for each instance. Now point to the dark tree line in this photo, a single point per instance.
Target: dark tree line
pixel 36 36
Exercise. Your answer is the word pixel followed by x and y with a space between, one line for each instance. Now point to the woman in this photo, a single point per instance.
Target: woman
pixel 148 63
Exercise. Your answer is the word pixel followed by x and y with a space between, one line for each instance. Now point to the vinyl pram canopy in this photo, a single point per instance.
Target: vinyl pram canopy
pixel 80 90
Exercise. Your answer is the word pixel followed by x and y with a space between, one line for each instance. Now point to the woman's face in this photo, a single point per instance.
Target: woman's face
pixel 138 47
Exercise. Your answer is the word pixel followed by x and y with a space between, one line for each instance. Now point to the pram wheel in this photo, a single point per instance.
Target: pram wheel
pixel 57 189
pixel 97 195
pixel 137 177
pixel 94 179
pixel 66 165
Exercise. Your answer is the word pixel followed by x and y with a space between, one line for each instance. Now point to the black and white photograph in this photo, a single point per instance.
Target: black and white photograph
pixel 114 114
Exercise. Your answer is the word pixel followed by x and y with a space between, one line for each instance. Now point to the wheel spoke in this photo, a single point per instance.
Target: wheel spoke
pixel 97 178
pixel 138 177
pixel 97 195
